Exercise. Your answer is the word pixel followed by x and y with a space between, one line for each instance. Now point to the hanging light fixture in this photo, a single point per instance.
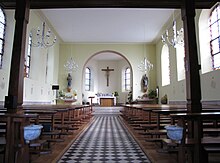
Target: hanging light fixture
pixel 70 65
pixel 174 39
pixel 145 66
pixel 42 38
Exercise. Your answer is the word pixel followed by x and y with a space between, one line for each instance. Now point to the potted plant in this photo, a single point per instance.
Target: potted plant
pixel 116 94
pixel 164 99
pixel 130 97
pixel 61 94
pixel 152 94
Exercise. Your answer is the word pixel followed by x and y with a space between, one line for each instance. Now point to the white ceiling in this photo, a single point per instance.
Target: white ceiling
pixel 108 25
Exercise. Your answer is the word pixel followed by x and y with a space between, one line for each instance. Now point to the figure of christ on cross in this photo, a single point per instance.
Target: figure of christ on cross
pixel 107 74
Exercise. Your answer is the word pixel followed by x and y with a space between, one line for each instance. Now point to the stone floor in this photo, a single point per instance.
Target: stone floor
pixel 106 140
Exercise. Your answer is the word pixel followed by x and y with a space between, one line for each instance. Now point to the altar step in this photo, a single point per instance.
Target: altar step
pixel 106 110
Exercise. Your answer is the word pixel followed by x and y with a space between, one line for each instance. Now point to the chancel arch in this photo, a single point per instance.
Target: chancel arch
pixel 107 77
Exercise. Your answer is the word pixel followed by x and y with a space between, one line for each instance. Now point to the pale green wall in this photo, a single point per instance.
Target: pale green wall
pixel 116 82
pixel 210 84
pixel 176 91
pixel 4 72
pixel 37 88
pixel 122 65
pixel 81 53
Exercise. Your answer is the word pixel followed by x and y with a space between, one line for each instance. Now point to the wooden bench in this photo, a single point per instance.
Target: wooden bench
pixel 2 148
pixel 37 147
pixel 63 118
pixel 197 142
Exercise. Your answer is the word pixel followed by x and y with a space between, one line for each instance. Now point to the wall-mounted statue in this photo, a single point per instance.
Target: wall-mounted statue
pixel 144 83
pixel 69 82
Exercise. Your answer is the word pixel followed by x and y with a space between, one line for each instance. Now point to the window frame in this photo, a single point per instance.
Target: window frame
pixel 165 66
pixel 216 10
pixel 88 79
pixel 180 62
pixel 27 64
pixel 127 77
pixel 3 37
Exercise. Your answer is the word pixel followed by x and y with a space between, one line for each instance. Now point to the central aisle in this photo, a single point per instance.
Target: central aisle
pixel 105 140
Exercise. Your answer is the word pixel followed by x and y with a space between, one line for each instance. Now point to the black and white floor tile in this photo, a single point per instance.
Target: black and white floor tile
pixel 105 141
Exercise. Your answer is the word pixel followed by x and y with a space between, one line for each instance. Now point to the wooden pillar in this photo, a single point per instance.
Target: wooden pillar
pixel 17 150
pixel 16 82
pixel 193 87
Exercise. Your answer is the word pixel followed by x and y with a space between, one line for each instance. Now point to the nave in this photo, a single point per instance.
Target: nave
pixel 105 140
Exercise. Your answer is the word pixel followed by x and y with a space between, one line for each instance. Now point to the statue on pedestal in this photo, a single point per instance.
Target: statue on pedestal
pixel 144 83
pixel 69 82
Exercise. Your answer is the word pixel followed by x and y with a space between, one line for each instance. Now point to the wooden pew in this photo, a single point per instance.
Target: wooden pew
pixel 2 136
pixel 47 119
pixel 157 117
pixel 45 114
pixel 16 150
pixel 190 144
pixel 62 117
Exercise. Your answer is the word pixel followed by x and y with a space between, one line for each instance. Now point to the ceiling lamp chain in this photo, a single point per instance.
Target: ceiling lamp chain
pixel 42 38
pixel 174 39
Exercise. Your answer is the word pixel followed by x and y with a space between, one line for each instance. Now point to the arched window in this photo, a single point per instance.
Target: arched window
pixel 214 27
pixel 165 65
pixel 88 79
pixel 28 58
pixel 2 35
pixel 127 79
pixel 180 55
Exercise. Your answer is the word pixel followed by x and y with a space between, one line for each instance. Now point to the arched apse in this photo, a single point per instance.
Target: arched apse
pixel 99 61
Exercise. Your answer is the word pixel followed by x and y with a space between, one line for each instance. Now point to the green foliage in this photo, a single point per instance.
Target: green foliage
pixel 130 97
pixel 61 93
pixel 164 99
pixel 116 94
pixel 152 93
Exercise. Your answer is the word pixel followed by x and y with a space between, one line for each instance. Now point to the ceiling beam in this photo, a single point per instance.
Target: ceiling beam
pixel 46 4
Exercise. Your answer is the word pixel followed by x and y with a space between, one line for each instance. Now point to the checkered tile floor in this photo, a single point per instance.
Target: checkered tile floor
pixel 105 141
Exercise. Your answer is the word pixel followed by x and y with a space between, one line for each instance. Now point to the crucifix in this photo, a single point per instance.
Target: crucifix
pixel 107 74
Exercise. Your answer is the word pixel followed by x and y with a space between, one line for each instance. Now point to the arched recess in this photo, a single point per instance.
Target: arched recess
pixel 97 87
pixel 204 38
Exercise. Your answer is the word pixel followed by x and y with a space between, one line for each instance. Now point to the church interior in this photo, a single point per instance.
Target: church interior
pixel 108 81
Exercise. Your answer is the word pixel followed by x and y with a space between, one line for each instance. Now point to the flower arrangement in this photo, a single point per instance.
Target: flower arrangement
pixel 67 95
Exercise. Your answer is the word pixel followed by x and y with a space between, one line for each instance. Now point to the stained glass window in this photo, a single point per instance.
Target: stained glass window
pixel 2 35
pixel 214 25
pixel 28 59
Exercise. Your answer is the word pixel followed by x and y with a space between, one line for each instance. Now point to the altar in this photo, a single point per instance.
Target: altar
pixel 106 100
pixel 67 101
